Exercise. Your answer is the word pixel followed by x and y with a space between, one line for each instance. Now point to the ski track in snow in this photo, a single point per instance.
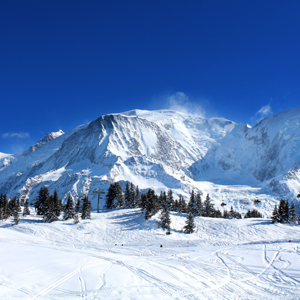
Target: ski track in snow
pixel 117 255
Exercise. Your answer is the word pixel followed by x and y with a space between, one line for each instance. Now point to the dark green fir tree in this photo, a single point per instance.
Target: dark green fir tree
pixel 190 225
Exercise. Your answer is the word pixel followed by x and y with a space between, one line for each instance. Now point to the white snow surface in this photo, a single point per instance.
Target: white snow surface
pixel 164 150
pixel 117 255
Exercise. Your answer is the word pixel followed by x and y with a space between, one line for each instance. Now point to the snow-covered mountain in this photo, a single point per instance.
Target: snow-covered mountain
pixel 164 149
pixel 47 138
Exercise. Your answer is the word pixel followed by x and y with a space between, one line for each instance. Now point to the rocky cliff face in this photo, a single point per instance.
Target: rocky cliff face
pixel 160 149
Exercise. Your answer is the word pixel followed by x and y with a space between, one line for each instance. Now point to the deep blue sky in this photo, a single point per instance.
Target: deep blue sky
pixel 65 63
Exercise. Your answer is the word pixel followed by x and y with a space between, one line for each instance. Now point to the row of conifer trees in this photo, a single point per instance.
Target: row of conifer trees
pixel 46 205
pixel 150 204
pixel 285 213
pixel 51 207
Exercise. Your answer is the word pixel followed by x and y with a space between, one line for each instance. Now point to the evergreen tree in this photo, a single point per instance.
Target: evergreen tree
pixel 26 210
pixel 76 218
pixel 15 211
pixel 137 197
pixel 119 198
pixel 5 208
pixel 199 205
pixel 275 215
pixel 77 206
pixel 1 206
pixel 129 196
pixel 57 204
pixel 231 213
pixel 12 203
pixel 192 205
pixel 208 207
pixel 69 209
pixel 182 205
pixel 218 214
pixel 253 214
pixel 40 202
pixel 225 214
pixel 86 208
pixel 190 225
pixel 147 206
pixel 170 200
pixel 176 206
pixel 110 196
pixel 50 210
pixel 142 204
pixel 133 196
pixel 153 201
pixel 283 211
pixel 292 214
pixel 18 205
pixel 165 220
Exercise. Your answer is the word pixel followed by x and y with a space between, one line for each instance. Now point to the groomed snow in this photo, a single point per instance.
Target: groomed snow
pixel 117 255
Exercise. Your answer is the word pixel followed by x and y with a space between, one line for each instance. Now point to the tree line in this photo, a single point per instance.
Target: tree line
pixel 51 207
pixel 285 213
pixel 150 204
pixel 46 205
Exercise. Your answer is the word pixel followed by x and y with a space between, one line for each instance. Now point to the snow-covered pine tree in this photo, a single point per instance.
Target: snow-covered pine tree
pixel 76 218
pixel 182 205
pixel 225 214
pixel 142 202
pixel 57 204
pixel 40 202
pixel 50 210
pixel 26 210
pixel 69 209
pixel 1 206
pixel 192 205
pixel 165 220
pixel 176 205
pixel 147 206
pixel 170 200
pixel 153 201
pixel 254 213
pixel 86 208
pixel 190 225
pixel 14 211
pixel 110 196
pixel 137 197
pixel 231 213
pixel 119 199
pixel 292 214
pixel 128 196
pixel 19 205
pixel 208 207
pixel 10 207
pixel 132 194
pixel 275 215
pixel 200 208
pixel 5 212
pixel 77 208
pixel 283 210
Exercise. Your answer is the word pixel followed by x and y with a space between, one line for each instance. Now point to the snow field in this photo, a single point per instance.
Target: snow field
pixel 117 255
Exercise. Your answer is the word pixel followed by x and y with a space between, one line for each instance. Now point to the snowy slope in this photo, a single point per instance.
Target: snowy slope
pixel 47 138
pixel 117 255
pixel 5 159
pixel 166 149
pixel 268 152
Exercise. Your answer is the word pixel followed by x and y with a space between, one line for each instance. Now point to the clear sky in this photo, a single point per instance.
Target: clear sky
pixel 67 62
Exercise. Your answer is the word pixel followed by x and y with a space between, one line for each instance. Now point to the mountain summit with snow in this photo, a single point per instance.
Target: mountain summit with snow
pixel 164 149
